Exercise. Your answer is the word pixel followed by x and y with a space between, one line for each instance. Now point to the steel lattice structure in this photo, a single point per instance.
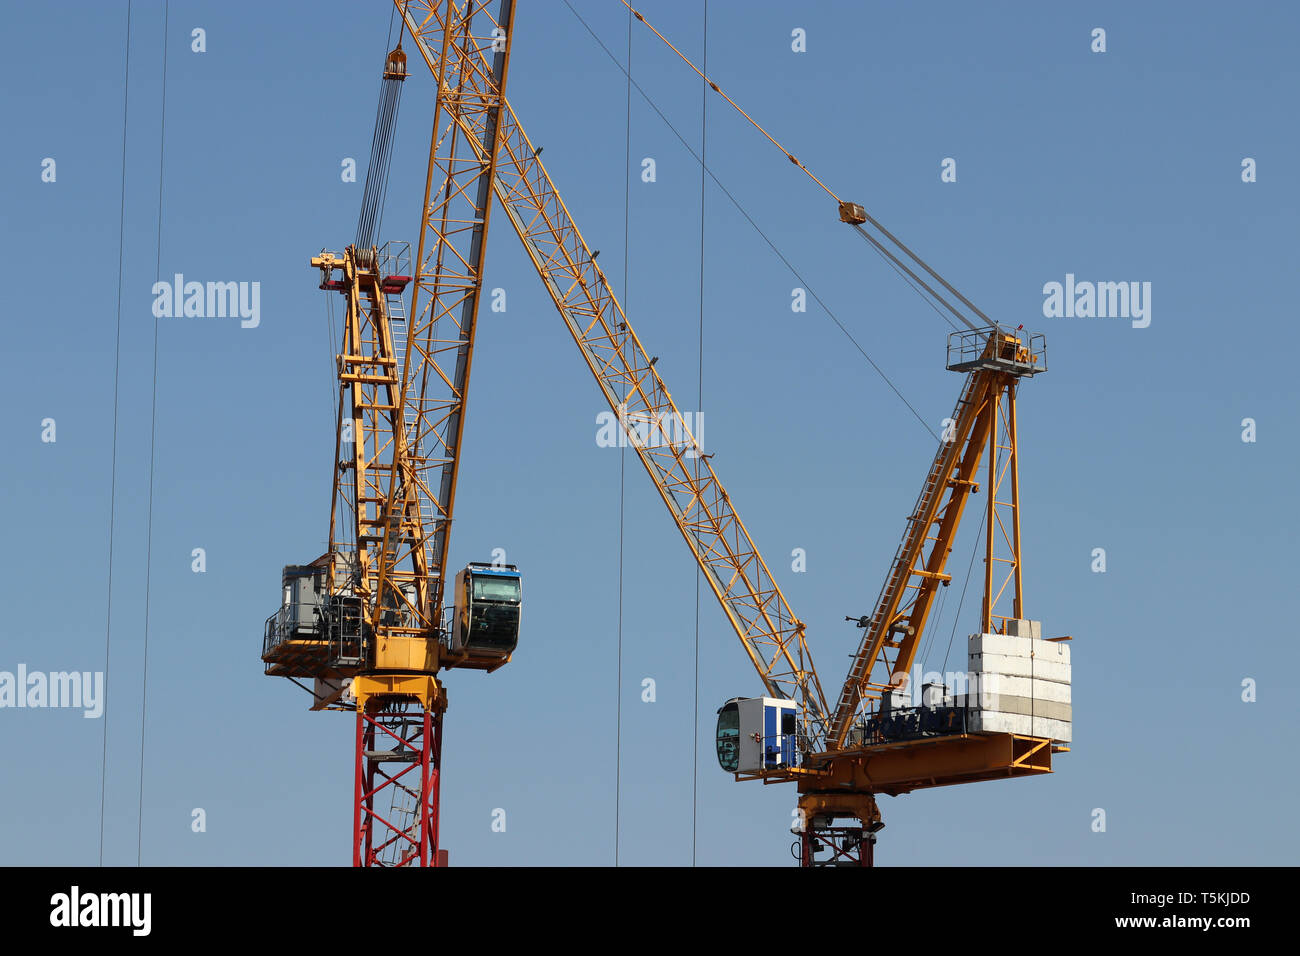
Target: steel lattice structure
pixel 404 377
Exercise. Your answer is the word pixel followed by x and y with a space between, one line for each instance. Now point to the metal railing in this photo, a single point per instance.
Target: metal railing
pixel 339 622
pixel 783 751
pixel 291 622
pixel 394 259
pixel 968 350
pixel 908 723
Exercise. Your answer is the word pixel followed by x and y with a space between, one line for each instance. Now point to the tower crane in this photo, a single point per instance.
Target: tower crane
pixel 367 622
pixel 370 624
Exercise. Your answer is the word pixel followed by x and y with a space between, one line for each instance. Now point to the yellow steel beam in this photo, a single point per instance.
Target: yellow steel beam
pixel 932 762
pixel 701 508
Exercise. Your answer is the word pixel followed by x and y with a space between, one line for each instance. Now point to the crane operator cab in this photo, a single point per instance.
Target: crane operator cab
pixel 486 625
pixel 757 734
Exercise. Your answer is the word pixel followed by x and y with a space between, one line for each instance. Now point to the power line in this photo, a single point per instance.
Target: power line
pixel 622 454
pixel 153 430
pixel 699 406
pixel 117 369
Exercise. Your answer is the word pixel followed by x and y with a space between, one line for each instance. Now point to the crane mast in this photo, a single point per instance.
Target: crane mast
pixel 982 421
pixel 457 210
pixel 874 744
pixel 366 622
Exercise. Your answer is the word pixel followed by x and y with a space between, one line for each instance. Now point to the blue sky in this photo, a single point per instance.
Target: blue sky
pixel 1116 166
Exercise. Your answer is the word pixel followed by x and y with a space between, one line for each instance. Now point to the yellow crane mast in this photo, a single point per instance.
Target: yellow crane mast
pixel 366 621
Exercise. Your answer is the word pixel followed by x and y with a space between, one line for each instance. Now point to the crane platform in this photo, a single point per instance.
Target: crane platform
pixel 901 766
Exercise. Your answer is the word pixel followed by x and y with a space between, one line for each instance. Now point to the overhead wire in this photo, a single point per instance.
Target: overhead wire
pixel 699 410
pixel 153 433
pixel 117 371
pixel 622 453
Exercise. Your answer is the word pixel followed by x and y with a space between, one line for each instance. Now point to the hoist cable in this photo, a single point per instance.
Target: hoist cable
pixel 830 192
pixel 750 219
pixel 714 86
pixel 381 143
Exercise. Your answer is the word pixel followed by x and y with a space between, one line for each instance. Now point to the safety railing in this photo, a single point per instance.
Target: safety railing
pixel 782 751
pixel 339 623
pixel 291 622
pixel 394 259
pixel 969 350
pixel 908 723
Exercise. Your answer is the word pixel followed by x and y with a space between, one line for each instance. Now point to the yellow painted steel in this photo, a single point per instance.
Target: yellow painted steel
pixel 415 500
pixel 465 47
pixel 983 420
pixel 685 478
pixel 371 689
pixel 368 397
pixel 899 767
pixel 834 777
pixel 402 396
pixel 772 636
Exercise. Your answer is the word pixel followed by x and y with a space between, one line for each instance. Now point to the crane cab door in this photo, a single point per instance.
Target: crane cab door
pixel 488 600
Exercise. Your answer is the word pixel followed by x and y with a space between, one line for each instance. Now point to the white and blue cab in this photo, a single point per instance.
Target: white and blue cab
pixel 757 733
